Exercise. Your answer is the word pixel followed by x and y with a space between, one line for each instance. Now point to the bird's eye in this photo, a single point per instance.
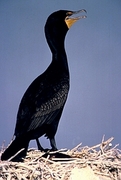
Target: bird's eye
pixel 69 13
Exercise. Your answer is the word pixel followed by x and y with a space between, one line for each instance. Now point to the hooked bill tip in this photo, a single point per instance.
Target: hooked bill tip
pixel 73 14
pixel 79 11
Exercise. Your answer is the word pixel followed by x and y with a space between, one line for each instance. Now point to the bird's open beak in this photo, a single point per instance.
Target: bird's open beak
pixel 72 18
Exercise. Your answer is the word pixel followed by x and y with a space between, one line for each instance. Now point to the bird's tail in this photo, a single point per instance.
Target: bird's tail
pixel 16 150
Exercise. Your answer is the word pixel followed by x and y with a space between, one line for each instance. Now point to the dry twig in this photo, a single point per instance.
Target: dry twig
pixel 103 159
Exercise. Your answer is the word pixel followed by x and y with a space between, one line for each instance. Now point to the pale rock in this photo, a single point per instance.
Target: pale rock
pixel 83 174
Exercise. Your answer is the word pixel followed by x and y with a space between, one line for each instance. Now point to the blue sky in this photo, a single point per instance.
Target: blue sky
pixel 93 47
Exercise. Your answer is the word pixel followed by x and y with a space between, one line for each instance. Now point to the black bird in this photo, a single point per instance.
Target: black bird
pixel 43 102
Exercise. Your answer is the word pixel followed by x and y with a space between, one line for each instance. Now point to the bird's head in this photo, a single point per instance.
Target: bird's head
pixel 73 16
pixel 57 25
pixel 61 17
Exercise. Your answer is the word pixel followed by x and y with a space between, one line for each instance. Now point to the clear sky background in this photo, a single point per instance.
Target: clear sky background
pixel 93 47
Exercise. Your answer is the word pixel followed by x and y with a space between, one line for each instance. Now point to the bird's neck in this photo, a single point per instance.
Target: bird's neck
pixel 57 47
pixel 55 36
pixel 60 58
pixel 58 52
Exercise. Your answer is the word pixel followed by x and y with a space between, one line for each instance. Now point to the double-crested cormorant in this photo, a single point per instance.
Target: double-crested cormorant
pixel 43 102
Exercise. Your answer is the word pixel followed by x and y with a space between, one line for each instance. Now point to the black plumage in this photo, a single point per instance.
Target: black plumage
pixel 43 102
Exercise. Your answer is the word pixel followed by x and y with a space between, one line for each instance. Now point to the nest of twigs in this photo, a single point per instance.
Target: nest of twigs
pixel 103 159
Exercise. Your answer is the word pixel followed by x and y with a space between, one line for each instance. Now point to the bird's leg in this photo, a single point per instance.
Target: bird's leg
pixel 53 144
pixel 39 145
